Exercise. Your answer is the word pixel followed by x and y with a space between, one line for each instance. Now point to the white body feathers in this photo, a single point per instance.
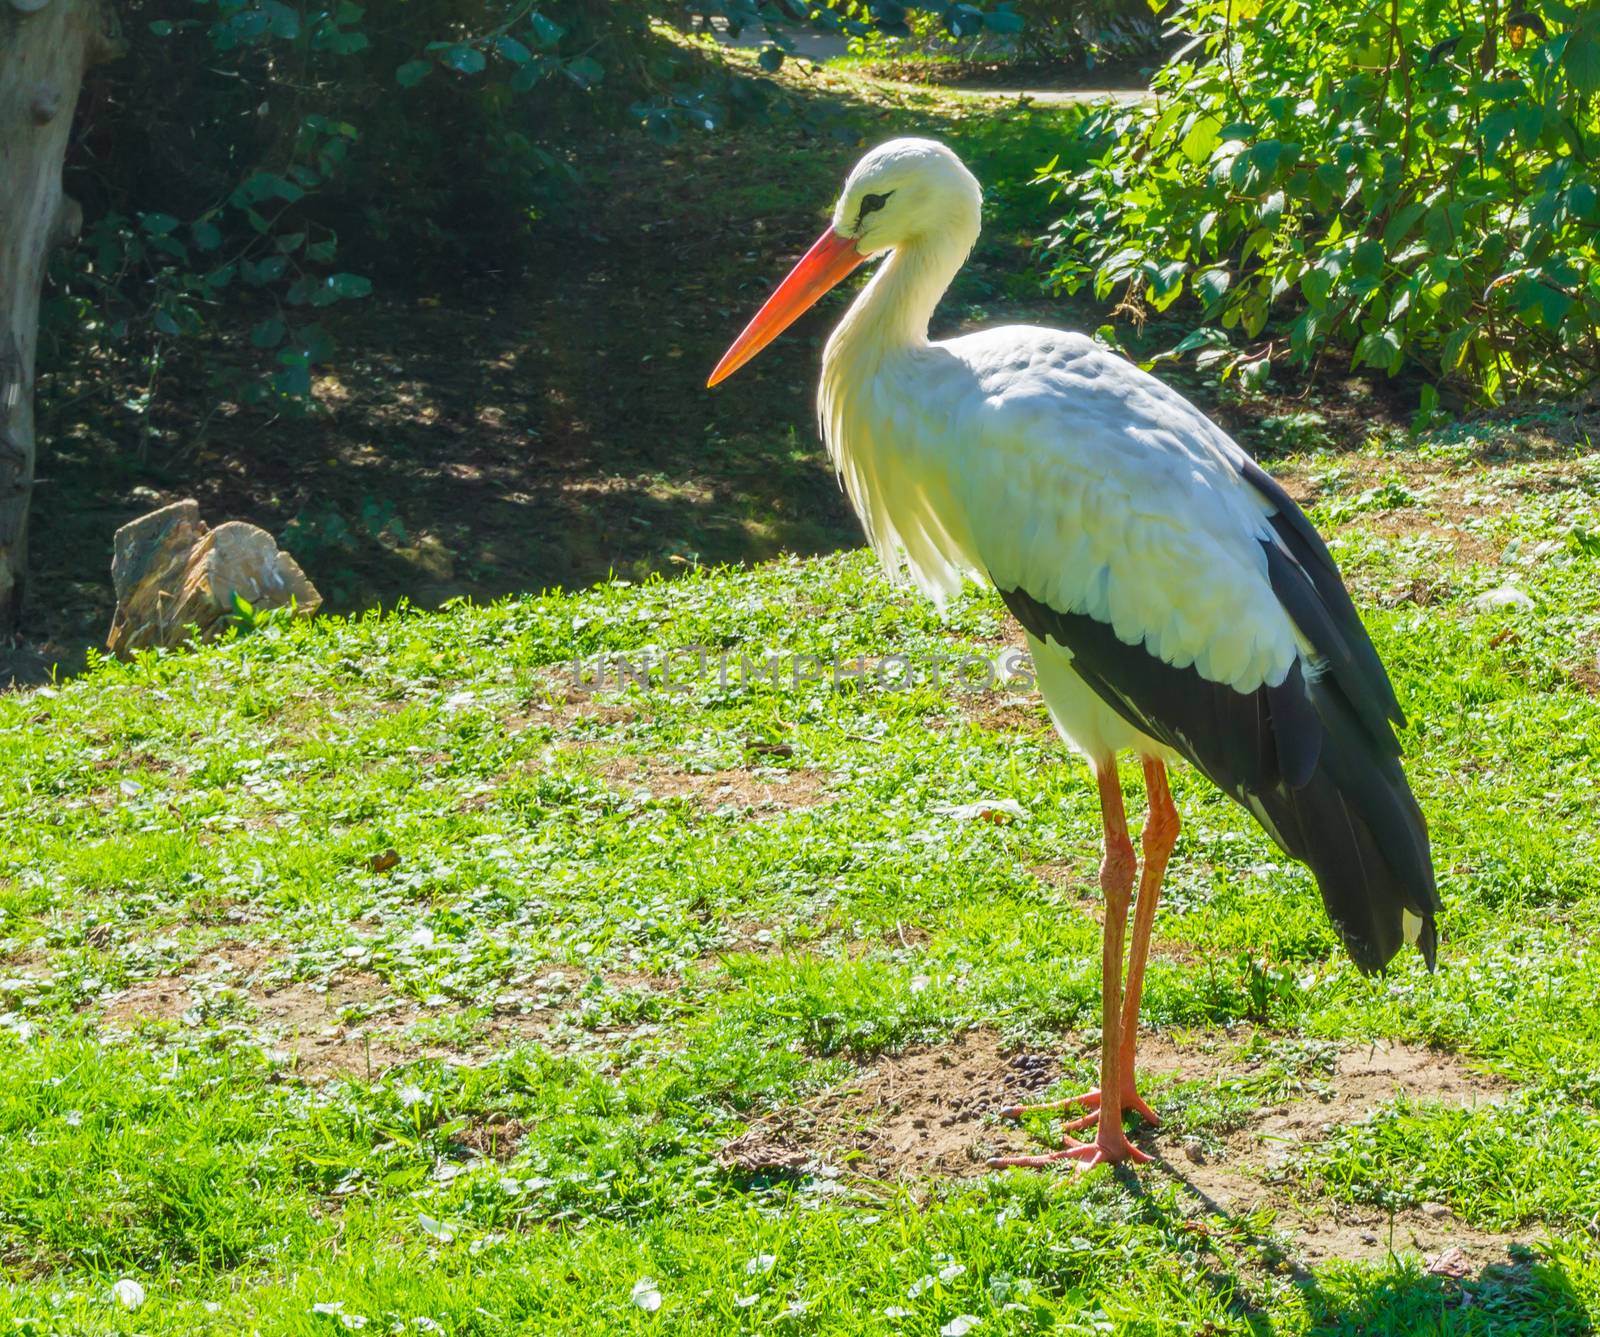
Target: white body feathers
pixel 1033 459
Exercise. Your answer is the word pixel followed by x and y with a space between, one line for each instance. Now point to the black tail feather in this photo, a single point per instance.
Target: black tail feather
pixel 1313 771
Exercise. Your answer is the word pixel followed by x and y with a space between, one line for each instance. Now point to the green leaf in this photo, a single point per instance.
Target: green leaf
pixel 546 32
pixel 1539 302
pixel 585 71
pixel 165 323
pixel 661 128
pixel 465 59
pixel 207 235
pixel 963 20
pixel 1367 261
pixel 413 72
pixel 1211 284
pixel 1253 375
pixel 512 51
pixel 268 333
pixel 1201 140
pixel 260 273
pixel 1380 349
pixel 1398 228
pixel 770 59
pixel 1581 59
pixel 282 20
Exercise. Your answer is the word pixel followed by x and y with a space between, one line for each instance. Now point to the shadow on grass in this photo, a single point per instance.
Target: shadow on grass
pixel 1518 1297
pixel 546 424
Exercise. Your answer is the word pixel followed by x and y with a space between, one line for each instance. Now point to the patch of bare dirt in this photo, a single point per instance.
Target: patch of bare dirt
pixel 763 788
pixel 352 1024
pixel 906 1115
pixel 922 1115
pixel 495 1138
pixel 1008 714
pixel 1240 1179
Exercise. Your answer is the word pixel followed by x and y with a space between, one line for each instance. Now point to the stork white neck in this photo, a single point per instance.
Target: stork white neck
pixel 893 310
pixel 870 372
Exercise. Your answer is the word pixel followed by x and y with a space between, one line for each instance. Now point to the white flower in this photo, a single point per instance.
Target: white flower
pixel 438 1229
pixel 960 1326
pixel 129 1293
pixel 647 1295
pixel 762 1262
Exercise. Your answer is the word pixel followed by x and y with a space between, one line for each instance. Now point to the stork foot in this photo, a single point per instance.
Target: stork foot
pixel 1104 1150
pixel 1089 1100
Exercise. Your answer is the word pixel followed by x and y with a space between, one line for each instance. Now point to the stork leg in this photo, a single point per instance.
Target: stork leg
pixel 1160 833
pixel 1116 882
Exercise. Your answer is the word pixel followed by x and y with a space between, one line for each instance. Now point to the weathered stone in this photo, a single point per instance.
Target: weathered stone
pixel 176 578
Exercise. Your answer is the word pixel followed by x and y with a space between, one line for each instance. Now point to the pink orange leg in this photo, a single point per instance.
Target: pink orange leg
pixel 1160 833
pixel 1116 881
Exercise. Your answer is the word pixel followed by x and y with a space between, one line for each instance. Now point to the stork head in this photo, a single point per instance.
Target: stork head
pixel 905 193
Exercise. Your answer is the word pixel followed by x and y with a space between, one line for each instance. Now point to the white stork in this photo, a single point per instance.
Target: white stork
pixel 1177 602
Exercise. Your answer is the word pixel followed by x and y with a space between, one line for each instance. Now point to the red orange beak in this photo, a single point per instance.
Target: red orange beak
pixel 828 261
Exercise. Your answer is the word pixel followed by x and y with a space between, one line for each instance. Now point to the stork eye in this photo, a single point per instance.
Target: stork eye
pixel 870 204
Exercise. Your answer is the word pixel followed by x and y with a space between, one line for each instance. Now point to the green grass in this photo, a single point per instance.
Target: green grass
pixel 626 927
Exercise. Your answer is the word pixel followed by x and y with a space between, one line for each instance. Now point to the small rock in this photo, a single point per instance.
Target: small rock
pixel 1436 1211
pixel 172 573
pixel 1193 1149
pixel 1367 1237
pixel 1450 1263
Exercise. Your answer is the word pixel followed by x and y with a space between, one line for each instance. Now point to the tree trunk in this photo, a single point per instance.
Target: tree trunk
pixel 45 46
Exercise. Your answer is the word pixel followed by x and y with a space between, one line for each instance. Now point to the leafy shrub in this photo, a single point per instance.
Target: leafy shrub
pixel 1414 180
pixel 259 161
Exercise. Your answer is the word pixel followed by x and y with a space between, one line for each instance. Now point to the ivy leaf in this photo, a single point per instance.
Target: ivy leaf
pixel 413 72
